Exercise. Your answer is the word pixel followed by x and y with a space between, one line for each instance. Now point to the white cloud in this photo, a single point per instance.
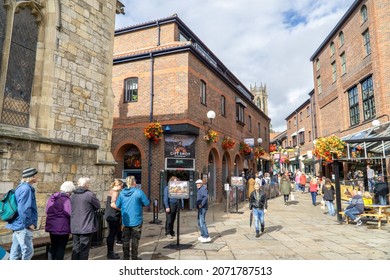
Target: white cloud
pixel 255 40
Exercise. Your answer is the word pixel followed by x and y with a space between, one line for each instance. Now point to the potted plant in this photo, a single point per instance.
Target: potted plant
pixel 258 152
pixel 245 148
pixel 153 132
pixel 211 136
pixel 326 147
pixel 228 143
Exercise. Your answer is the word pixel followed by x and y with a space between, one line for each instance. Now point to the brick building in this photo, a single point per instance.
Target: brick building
pixel 351 71
pixel 163 72
pixel 55 94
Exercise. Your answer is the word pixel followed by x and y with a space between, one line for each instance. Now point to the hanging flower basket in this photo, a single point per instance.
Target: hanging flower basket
pixel 211 136
pixel 153 132
pixel 228 143
pixel 326 147
pixel 258 152
pixel 245 148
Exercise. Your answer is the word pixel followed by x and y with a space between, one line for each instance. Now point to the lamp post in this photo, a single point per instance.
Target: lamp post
pixel 259 141
pixel 211 116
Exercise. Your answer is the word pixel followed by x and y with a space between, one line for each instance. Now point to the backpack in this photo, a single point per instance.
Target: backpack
pixel 8 207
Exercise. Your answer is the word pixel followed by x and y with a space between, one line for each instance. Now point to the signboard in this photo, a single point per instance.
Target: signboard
pixel 179 146
pixel 237 181
pixel 179 164
pixel 250 141
pixel 178 189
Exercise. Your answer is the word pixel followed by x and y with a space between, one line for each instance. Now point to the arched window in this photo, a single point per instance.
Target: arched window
pixel 364 13
pixel 332 49
pixel 341 38
pixel 132 158
pixel 18 38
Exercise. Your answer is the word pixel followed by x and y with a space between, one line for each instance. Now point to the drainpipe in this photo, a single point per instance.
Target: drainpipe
pixel 158 34
pixel 150 120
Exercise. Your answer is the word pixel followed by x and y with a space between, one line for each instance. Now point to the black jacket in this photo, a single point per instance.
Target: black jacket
pixel 380 188
pixel 260 203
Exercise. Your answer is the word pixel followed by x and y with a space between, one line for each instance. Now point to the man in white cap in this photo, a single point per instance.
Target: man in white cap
pixel 26 221
pixel 202 206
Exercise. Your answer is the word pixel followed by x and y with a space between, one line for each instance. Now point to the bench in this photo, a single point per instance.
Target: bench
pixel 368 213
pixel 38 242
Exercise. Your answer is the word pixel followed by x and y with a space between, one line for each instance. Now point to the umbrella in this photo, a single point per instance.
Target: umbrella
pixel 250 219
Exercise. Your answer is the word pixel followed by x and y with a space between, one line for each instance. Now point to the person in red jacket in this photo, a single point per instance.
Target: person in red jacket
pixel 313 190
pixel 302 181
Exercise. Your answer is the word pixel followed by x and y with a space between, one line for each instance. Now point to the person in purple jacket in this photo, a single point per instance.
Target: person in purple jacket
pixel 58 210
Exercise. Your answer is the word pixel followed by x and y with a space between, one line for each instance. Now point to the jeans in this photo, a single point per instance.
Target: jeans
pixel 258 214
pixel 371 183
pixel 329 204
pixel 22 245
pixel 170 219
pixel 351 212
pixel 382 199
pixel 314 198
pixel 202 222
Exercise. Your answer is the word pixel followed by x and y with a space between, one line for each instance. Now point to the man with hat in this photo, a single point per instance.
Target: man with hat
pixel 26 221
pixel 202 206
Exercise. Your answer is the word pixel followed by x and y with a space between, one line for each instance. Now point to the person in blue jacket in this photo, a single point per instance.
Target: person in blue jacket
pixel 202 206
pixel 24 224
pixel 171 206
pixel 131 201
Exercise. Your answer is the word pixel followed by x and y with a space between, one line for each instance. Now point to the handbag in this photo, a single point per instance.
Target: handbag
pixel 322 204
pixel 292 198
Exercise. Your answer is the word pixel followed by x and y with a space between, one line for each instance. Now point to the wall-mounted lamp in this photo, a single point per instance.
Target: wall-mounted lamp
pixel 211 116
pixel 259 141
pixel 375 123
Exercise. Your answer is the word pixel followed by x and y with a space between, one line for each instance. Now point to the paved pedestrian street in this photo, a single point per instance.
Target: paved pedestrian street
pixel 299 231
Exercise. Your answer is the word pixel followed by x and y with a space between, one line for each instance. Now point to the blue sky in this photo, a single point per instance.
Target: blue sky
pixel 260 41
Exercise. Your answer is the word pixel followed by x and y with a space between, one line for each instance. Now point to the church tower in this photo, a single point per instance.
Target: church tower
pixel 260 97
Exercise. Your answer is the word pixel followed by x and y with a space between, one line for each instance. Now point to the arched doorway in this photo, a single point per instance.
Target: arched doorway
pixel 132 164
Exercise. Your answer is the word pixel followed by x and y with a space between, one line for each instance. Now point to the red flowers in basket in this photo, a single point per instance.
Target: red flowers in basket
pixel 153 132
pixel 259 151
pixel 228 143
pixel 245 148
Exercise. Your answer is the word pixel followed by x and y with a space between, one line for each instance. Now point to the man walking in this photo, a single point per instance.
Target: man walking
pixel 202 206
pixel 24 224
pixel 258 206
pixel 131 202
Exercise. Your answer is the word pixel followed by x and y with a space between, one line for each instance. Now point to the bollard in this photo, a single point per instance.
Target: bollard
pixel 155 213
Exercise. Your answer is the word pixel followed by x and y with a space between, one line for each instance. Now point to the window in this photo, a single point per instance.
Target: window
pixel 250 123
pixel 300 116
pixel 332 49
pixel 131 90
pixel 309 133
pixel 259 130
pixel 318 64
pixel 319 86
pixel 308 111
pixel 343 64
pixel 223 105
pixel 364 13
pixel 367 45
pixel 301 136
pixel 289 124
pixel 294 140
pixel 265 134
pixel 353 106
pixel 334 72
pixel 203 93
pixel 240 114
pixel 341 38
pixel 19 54
pixel 368 99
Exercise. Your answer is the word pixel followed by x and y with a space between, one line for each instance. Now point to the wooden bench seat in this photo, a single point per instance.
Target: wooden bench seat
pixel 368 213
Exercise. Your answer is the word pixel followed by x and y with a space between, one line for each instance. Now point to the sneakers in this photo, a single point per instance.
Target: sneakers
pixel 119 243
pixel 257 234
pixel 359 223
pixel 200 238
pixel 357 219
pixel 205 240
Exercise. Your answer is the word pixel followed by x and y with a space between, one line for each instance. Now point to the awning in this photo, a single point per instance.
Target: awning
pixel 301 130
pixel 294 134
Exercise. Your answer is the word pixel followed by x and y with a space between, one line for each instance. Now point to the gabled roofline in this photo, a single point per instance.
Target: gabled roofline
pixel 336 28
pixel 304 104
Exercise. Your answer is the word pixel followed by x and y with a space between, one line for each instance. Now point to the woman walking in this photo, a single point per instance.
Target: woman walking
pixel 313 190
pixel 328 192
pixel 285 188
